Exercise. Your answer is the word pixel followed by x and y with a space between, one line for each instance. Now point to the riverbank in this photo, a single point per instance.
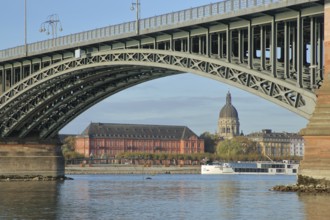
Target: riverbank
pixel 316 189
pixel 108 169
pixel 130 169
pixel 306 185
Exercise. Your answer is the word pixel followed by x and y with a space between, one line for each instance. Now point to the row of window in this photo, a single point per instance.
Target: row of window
pixel 134 136
pixel 142 144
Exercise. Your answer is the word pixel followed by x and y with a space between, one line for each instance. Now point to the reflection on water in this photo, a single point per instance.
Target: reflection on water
pixel 32 200
pixel 162 197
pixel 316 206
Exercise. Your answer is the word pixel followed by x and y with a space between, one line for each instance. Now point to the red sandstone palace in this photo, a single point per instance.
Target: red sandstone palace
pixel 110 139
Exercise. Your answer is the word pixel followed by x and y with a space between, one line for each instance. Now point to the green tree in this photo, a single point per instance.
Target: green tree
pixel 157 156
pixel 68 149
pixel 237 148
pixel 69 144
pixel 171 156
pixel 163 156
pixel 180 157
pixel 210 141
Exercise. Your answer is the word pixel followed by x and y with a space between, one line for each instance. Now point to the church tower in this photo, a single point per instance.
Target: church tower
pixel 228 123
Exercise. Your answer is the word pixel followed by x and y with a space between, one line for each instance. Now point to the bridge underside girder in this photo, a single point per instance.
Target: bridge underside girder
pixel 46 101
pixel 43 114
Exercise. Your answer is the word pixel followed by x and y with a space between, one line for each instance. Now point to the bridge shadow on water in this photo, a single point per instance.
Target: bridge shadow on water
pixel 29 200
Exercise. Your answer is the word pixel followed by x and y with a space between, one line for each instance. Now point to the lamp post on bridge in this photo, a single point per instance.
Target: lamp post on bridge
pixel 25 29
pixel 136 6
pixel 51 25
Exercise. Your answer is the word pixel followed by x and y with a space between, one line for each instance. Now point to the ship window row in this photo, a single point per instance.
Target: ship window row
pixel 272 166
pixel 251 170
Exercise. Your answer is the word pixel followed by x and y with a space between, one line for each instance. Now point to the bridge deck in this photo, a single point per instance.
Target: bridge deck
pixel 260 46
pixel 207 13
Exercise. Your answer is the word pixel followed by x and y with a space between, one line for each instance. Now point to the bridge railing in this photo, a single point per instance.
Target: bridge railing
pixel 106 33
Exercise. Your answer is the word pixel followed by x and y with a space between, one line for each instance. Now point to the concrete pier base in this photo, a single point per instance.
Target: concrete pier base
pixel 28 159
pixel 316 162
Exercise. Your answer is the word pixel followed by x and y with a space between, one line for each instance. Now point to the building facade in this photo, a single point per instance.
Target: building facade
pixel 297 146
pixel 274 144
pixel 111 139
pixel 228 123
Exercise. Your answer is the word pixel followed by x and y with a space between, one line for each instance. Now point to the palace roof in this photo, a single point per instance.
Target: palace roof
pixel 138 131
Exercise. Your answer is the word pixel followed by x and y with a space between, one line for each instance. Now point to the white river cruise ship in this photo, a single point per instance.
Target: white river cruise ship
pixel 263 168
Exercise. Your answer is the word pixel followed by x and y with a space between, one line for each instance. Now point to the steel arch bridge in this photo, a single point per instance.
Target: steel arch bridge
pixel 262 48
pixel 50 98
pixel 275 49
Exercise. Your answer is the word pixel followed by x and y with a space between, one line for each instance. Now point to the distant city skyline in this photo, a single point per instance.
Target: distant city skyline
pixel 184 99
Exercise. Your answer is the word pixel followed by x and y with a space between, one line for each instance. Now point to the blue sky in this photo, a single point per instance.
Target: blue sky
pixel 185 99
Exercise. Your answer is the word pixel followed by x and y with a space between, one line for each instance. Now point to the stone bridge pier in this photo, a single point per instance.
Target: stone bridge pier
pixel 316 162
pixel 30 158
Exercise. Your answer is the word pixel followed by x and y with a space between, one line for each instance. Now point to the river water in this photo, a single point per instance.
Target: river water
pixel 161 197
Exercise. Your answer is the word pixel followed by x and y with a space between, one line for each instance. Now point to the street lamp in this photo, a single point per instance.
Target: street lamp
pixel 25 29
pixel 52 24
pixel 136 6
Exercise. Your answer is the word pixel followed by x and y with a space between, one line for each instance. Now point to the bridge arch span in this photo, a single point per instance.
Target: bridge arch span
pixel 73 85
